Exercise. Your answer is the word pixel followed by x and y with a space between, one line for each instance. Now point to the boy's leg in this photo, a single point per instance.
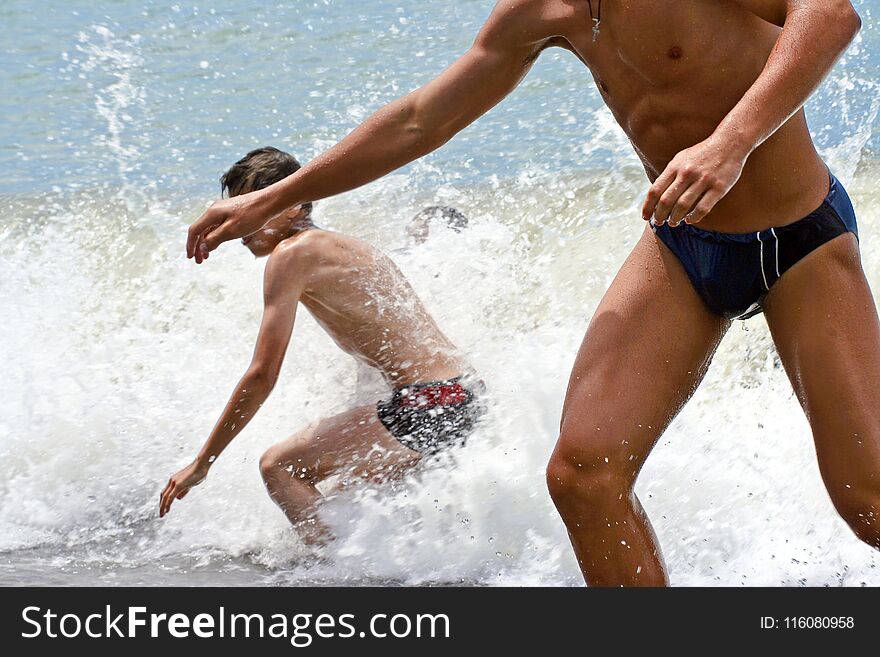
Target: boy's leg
pixel 824 322
pixel 645 352
pixel 354 442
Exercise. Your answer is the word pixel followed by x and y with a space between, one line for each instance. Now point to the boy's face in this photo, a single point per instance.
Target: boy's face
pixel 264 241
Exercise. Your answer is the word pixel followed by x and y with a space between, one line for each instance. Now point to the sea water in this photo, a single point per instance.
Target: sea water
pixel 118 354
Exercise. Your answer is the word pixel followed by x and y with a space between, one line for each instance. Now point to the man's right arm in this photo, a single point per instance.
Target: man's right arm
pixel 402 131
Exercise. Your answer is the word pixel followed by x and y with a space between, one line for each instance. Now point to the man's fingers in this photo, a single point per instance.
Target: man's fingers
pixel 668 200
pixel 192 237
pixel 704 206
pixel 199 227
pixel 685 204
pixel 650 203
pixel 652 199
pixel 217 235
pixel 657 190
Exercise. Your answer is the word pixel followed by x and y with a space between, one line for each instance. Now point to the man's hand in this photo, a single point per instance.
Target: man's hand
pixel 180 484
pixel 693 182
pixel 226 220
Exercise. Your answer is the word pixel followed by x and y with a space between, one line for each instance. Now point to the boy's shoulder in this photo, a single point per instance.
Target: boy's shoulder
pixel 316 249
pixel 306 247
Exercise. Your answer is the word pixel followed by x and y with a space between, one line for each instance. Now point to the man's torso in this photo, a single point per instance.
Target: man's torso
pixel 671 70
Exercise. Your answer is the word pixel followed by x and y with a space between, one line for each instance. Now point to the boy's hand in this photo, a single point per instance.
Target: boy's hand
pixel 179 485
pixel 225 220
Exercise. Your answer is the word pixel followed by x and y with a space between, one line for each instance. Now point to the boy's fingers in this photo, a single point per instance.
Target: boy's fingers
pixel 195 238
pixel 165 500
pixel 168 500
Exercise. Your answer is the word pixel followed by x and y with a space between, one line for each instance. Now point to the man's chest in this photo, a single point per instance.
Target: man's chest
pixel 651 41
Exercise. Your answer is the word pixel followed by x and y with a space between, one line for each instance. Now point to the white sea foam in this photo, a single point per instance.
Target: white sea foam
pixel 119 354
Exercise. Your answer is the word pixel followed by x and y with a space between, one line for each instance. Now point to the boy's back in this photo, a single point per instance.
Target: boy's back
pixel 362 300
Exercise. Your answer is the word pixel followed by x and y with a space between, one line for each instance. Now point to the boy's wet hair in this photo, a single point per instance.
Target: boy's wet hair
pixel 453 218
pixel 258 169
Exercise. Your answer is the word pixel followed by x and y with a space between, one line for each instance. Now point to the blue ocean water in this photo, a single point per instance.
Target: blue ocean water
pixel 167 93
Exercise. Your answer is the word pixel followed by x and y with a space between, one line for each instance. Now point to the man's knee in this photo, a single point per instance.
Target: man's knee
pixel 586 477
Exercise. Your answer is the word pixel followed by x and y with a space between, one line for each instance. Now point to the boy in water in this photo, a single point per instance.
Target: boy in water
pixel 420 225
pixel 360 298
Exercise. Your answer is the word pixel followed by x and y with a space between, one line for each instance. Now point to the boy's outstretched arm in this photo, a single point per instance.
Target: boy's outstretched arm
pixel 282 287
pixel 400 132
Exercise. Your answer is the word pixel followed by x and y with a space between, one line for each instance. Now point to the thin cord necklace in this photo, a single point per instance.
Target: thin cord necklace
pixel 597 19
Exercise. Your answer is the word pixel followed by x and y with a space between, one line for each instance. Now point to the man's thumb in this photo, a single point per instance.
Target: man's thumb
pixel 217 236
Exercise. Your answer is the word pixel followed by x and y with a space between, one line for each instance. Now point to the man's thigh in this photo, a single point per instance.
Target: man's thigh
pixel 646 349
pixel 824 322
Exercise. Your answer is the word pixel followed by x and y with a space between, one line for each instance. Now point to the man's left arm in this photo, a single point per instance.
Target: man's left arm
pixel 815 34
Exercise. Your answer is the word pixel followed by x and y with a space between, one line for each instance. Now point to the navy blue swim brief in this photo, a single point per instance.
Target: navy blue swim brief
pixel 733 272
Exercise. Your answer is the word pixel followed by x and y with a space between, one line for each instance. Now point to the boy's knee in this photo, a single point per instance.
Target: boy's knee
pixel 271 463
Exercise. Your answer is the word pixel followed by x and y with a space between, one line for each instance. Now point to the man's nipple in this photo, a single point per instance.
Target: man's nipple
pixel 675 52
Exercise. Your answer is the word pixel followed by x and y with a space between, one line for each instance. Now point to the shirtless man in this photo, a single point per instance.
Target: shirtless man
pixel 711 94
pixel 364 303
